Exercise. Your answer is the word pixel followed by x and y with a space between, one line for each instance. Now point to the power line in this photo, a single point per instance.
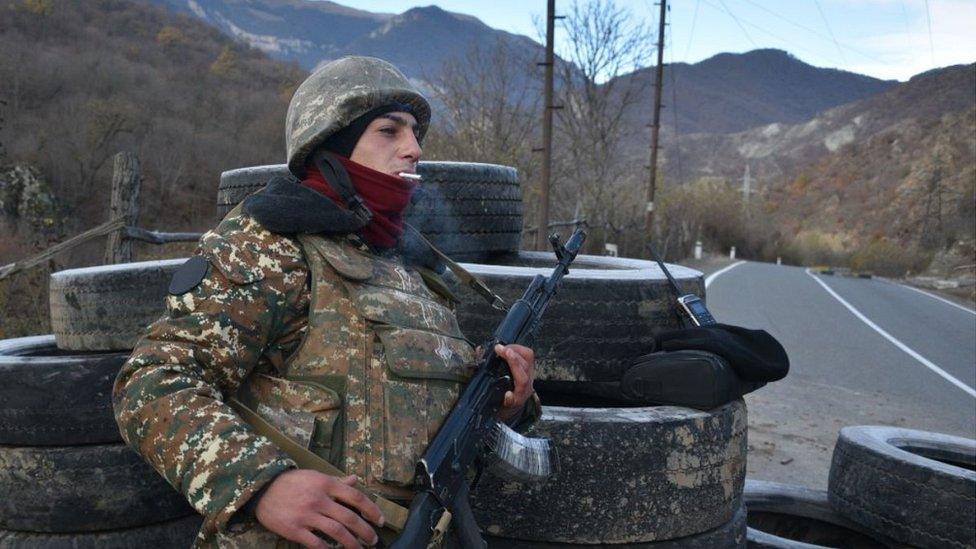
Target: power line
pixel 794 23
pixel 904 16
pixel 736 19
pixel 928 19
pixel 811 31
pixel 829 31
pixel 790 43
pixel 694 19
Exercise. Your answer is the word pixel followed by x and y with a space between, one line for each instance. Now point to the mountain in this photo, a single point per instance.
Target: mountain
pixel 418 41
pixel 421 40
pixel 723 94
pixel 733 92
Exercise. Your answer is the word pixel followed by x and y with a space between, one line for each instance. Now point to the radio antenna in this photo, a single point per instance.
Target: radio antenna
pixel 667 273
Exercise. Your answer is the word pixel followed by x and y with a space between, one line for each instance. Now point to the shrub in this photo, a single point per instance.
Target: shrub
pixel 815 248
pixel 889 258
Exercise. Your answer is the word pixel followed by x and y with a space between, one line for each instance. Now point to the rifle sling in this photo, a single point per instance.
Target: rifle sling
pixel 463 274
pixel 396 515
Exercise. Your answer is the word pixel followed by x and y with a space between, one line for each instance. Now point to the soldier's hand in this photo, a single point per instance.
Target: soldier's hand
pixel 521 361
pixel 299 503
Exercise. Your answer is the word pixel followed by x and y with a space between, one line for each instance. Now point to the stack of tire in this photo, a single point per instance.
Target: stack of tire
pixel 638 476
pixel 888 487
pixel 484 216
pixel 658 477
pixel 66 478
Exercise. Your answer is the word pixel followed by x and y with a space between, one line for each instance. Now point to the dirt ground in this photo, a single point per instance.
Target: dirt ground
pixel 794 423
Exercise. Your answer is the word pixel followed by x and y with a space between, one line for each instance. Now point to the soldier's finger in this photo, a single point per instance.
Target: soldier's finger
pixel 520 376
pixel 509 399
pixel 358 501
pixel 510 357
pixel 309 540
pixel 353 522
pixel 350 480
pixel 525 352
pixel 334 530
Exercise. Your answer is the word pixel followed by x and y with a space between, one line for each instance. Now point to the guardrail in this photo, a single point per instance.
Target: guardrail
pixel 121 229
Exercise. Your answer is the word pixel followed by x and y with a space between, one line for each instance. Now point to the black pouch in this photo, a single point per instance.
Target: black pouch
pixel 690 378
pixel 696 379
pixel 754 354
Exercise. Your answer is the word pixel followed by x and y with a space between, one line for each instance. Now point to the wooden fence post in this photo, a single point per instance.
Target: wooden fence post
pixel 125 204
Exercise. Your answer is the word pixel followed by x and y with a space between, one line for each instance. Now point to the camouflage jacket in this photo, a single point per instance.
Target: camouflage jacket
pixel 169 397
pixel 250 310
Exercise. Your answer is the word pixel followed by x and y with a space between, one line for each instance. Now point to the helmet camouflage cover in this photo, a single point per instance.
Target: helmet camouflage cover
pixel 338 93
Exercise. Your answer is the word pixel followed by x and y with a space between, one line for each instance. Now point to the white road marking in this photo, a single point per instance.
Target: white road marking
pixel 933 296
pixel 925 362
pixel 723 270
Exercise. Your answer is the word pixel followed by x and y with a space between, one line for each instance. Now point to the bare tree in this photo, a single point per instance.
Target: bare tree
pixel 595 90
pixel 491 105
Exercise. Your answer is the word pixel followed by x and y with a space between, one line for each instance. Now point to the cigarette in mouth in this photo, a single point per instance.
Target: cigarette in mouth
pixel 410 176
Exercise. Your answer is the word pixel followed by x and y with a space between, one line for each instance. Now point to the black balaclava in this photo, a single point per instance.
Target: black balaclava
pixel 344 141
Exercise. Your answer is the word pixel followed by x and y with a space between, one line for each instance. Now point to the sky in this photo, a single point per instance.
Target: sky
pixel 888 39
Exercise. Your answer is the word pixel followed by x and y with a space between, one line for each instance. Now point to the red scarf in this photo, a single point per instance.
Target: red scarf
pixel 385 195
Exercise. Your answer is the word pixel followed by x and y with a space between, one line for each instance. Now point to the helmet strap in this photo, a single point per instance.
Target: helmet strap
pixel 338 178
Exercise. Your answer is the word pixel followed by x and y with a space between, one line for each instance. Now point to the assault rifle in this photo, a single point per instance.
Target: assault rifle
pixel 472 429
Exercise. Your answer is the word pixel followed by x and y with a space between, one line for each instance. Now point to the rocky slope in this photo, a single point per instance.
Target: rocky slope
pixel 418 40
pixel 887 181
pixel 776 150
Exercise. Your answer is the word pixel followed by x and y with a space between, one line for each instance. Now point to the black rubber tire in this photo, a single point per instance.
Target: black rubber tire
pixel 605 314
pixel 176 534
pixel 236 185
pixel 468 210
pixel 917 487
pixel 108 307
pixel 786 516
pixel 82 489
pixel 626 475
pixel 50 397
pixel 731 535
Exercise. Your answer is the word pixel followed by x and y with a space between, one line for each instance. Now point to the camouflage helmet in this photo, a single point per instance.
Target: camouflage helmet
pixel 338 93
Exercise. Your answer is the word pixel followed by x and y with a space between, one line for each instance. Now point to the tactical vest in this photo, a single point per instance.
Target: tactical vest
pixel 379 368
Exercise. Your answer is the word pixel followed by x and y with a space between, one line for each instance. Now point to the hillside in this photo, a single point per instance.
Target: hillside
pixel 913 184
pixel 777 150
pixel 84 80
pixel 891 175
pixel 190 101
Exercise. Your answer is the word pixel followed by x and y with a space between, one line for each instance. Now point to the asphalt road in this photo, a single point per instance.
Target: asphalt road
pixel 843 371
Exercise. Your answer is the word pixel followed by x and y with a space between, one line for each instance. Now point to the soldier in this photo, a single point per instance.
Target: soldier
pixel 307 321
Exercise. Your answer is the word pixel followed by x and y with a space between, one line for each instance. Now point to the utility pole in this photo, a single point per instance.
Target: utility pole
pixel 541 233
pixel 746 186
pixel 656 124
pixel 747 190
